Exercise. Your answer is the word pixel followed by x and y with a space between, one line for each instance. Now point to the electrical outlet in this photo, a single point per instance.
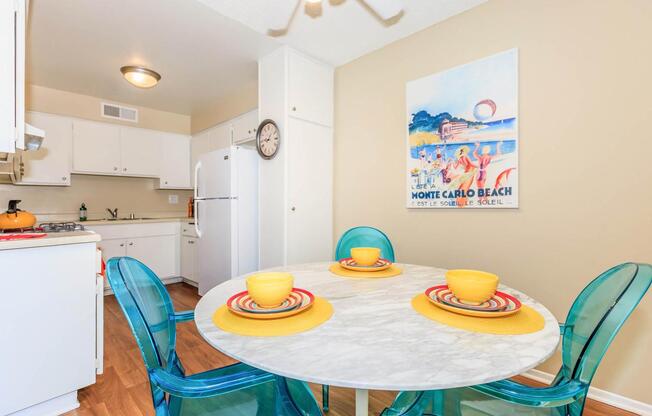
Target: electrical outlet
pixel 173 199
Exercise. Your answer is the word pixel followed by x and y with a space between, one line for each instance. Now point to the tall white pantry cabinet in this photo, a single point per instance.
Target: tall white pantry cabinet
pixel 13 19
pixel 296 186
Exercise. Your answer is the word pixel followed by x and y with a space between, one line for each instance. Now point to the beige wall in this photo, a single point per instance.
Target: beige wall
pixel 48 100
pixel 244 101
pixel 585 170
pixel 129 195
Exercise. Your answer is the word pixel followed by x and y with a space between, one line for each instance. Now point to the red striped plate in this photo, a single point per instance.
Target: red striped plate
pixel 298 301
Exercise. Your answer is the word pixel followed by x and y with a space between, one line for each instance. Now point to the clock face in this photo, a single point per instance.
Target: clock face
pixel 268 139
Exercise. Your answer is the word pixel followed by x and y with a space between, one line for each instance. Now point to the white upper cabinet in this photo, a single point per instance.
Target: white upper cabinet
pixel 220 136
pixel 50 165
pixel 96 148
pixel 174 166
pixel 310 89
pixel 13 16
pixel 140 151
pixel 245 126
pixel 199 145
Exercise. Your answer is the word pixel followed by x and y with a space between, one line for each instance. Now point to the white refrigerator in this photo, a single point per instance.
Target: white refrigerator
pixel 226 215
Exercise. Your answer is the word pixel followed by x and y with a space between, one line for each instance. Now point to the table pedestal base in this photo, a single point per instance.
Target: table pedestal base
pixel 361 402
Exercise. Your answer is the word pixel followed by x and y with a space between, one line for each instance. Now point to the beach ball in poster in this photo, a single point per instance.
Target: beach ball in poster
pixel 484 110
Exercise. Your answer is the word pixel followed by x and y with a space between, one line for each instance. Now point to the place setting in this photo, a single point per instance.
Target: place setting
pixel 272 306
pixel 470 300
pixel 365 262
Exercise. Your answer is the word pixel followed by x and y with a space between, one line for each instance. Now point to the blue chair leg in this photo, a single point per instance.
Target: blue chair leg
pixel 324 397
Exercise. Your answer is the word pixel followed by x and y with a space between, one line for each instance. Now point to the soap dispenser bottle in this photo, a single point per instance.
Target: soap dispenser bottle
pixel 82 212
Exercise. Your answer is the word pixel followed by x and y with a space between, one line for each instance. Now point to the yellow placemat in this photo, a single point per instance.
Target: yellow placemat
pixel 392 271
pixel 525 321
pixel 319 313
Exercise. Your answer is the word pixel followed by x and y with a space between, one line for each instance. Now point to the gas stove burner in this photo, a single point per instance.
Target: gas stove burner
pixel 59 227
pixel 20 230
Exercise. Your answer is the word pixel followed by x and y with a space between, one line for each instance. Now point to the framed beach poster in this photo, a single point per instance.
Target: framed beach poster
pixel 462 136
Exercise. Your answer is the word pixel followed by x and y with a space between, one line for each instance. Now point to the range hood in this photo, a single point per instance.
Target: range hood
pixel 33 137
pixel 12 163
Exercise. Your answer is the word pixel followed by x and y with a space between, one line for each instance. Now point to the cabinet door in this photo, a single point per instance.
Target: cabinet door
pixel 7 77
pixel 188 258
pixel 95 147
pixel 174 164
pixel 310 192
pixel 310 90
pixel 140 151
pixel 159 253
pixel 244 127
pixel 50 165
pixel 199 145
pixel 220 136
pixel 112 248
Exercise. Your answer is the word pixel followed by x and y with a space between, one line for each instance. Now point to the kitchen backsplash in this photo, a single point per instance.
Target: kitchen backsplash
pixel 129 195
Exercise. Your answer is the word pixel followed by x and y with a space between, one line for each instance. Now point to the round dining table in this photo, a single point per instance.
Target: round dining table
pixel 376 340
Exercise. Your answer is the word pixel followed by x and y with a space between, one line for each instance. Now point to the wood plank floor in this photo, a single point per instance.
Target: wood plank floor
pixel 123 389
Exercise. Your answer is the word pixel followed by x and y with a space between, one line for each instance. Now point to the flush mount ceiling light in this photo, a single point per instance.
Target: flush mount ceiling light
pixel 140 77
pixel 279 13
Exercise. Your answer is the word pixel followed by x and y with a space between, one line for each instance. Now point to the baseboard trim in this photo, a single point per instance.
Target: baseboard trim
pixel 53 407
pixel 603 396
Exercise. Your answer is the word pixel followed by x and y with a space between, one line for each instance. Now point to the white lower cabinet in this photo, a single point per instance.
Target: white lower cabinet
pixel 189 258
pixel 154 244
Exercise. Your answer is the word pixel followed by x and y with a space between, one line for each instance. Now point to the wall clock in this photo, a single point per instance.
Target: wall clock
pixel 268 139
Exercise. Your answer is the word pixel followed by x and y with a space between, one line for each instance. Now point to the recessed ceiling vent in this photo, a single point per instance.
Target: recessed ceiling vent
pixel 118 112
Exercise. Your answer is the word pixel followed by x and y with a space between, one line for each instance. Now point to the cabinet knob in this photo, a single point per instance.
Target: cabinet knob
pixel 124 169
pixel 131 244
pixel 293 208
pixel 122 245
pixel 249 131
pixel 115 168
pixel 166 182
pixel 294 109
pixel 64 178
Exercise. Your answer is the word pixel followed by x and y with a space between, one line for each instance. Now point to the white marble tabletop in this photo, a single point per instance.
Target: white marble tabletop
pixel 375 340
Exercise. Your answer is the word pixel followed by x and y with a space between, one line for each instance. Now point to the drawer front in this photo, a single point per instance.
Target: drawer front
pixel 188 229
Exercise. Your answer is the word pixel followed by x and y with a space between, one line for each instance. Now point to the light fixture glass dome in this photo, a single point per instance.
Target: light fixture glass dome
pixel 140 77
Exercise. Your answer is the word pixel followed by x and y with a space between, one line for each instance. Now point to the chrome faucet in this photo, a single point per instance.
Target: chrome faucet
pixel 114 213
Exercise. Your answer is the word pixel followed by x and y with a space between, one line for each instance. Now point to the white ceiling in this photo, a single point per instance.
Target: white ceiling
pixel 205 50
pixel 345 29
pixel 203 57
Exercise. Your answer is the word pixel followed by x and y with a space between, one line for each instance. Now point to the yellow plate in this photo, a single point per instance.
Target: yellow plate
pixel 319 313
pixel 469 312
pixel 526 321
pixel 382 264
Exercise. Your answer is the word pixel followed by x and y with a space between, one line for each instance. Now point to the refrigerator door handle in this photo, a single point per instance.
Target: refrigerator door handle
pixel 197 169
pixel 197 228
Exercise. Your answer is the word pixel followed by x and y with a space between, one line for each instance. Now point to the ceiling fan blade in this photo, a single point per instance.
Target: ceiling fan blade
pixel 278 13
pixel 386 9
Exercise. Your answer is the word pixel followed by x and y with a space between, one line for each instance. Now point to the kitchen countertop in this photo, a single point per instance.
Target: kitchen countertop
pixel 90 223
pixel 52 239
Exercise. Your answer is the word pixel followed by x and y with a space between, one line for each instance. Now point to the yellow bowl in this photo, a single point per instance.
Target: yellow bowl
pixel 365 256
pixel 472 287
pixel 269 289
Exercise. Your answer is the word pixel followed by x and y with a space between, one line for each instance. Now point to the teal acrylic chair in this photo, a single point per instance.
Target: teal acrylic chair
pixel 592 323
pixel 362 236
pixel 230 391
